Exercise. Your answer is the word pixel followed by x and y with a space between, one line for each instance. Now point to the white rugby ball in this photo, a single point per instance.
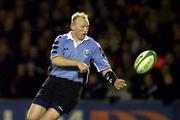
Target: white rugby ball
pixel 145 61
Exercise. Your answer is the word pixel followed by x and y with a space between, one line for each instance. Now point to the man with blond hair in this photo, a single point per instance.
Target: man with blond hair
pixel 70 57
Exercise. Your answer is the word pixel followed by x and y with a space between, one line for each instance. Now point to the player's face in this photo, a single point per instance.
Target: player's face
pixel 80 28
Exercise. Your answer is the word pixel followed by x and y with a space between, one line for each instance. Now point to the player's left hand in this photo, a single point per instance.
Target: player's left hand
pixel 119 84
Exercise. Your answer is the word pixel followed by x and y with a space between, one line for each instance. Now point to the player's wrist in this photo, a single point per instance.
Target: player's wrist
pixel 77 63
pixel 111 77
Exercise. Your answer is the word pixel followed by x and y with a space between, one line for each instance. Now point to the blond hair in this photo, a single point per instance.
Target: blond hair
pixel 79 14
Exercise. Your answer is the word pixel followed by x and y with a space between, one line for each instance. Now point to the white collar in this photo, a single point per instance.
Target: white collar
pixel 69 36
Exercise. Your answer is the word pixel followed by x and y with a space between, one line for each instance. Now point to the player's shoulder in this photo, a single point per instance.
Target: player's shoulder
pixel 93 41
pixel 61 37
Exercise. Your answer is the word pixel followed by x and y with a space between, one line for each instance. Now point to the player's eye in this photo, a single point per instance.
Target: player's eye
pixel 87 27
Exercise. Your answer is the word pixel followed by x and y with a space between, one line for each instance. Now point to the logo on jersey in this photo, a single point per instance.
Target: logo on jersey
pixel 65 48
pixel 86 52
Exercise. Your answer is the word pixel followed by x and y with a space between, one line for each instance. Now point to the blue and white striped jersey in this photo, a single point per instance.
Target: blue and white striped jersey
pixel 86 51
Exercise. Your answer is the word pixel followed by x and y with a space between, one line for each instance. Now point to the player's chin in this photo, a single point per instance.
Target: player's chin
pixel 82 37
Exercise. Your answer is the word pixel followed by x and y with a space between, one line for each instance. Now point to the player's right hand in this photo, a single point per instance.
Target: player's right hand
pixel 83 67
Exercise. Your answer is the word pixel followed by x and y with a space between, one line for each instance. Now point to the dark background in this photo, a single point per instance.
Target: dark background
pixel 124 28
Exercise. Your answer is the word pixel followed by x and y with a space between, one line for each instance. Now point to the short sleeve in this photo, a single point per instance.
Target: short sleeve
pixel 99 59
pixel 57 47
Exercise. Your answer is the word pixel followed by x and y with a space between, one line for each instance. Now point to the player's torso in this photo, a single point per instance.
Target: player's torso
pixel 82 52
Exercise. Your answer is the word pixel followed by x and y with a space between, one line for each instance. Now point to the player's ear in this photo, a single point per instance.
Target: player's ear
pixel 72 27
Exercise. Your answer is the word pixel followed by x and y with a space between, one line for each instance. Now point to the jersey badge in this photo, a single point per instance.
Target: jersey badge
pixel 86 52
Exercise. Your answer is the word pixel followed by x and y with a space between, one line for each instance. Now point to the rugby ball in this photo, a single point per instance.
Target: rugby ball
pixel 145 61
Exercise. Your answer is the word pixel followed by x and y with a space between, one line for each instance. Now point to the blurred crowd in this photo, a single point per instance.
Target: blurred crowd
pixel 124 28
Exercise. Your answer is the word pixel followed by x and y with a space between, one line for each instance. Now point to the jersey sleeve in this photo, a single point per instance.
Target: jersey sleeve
pixel 57 47
pixel 99 59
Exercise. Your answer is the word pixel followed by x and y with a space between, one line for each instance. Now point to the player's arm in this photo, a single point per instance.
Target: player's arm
pixel 64 62
pixel 59 60
pixel 101 62
pixel 109 75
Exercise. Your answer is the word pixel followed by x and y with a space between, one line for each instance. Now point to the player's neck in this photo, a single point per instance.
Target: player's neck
pixel 76 39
